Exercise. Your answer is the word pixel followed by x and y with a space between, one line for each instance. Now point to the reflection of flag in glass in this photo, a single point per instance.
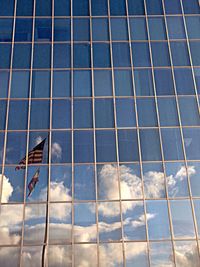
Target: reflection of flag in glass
pixel 34 156
pixel 33 182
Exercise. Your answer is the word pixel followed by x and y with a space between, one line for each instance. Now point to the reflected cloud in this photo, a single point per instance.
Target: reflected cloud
pixel 56 150
pixel 7 189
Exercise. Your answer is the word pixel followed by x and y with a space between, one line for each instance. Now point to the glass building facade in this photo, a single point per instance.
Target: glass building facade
pixel 114 86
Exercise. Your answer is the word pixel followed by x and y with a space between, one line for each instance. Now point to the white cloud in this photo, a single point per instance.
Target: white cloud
pixel 154 184
pixel 56 150
pixel 38 140
pixel 7 189
pixel 182 173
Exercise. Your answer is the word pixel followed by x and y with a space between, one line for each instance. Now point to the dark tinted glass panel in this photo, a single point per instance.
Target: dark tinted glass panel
pixel 104 113
pixel 42 54
pixel 193 27
pixel 22 56
pixel 125 110
pixel 184 81
pixel 43 30
pixel 62 29
pixel 160 54
pixel 7 8
pixel 39 114
pixel 157 28
pixel 117 8
pixel 61 114
pixel 123 83
pixel 102 83
pixel 99 8
pixel 82 83
pixel 100 29
pixel 61 55
pixel 20 84
pixel 176 28
pixel 180 54
pixel 5 50
pixel 18 115
pixel 43 7
pixel 138 29
pixel 192 143
pixel 143 82
pixel 81 29
pixel 82 56
pixel 136 7
pixel 6 30
pixel 101 54
pixel 121 55
pixel 154 7
pixel 194 47
pixel 164 82
pixel 24 8
pixel 189 111
pixel 172 6
pixel 119 29
pixel 83 113
pixel 168 111
pixel 146 112
pixel 61 83
pixel 191 6
pixel 3 106
pixel 4 78
pixel 83 146
pixel 40 84
pixel 140 54
pixel 23 30
pixel 62 8
pixel 80 8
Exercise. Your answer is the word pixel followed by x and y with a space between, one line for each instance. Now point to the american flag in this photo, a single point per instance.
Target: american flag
pixel 34 156
pixel 33 181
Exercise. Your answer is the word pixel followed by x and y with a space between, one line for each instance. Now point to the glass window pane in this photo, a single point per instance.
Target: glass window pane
pixel 123 83
pixel 168 111
pixel 82 56
pixel 183 226
pixel 157 28
pixel 40 84
pixel 62 8
pixel 43 7
pixel 121 55
pixel 176 173
pixel 150 151
pixel 6 30
pixel 6 260
pixel 158 211
pixel 192 142
pixel 62 29
pixel 61 147
pixel 3 109
pixel 24 8
pixel 81 29
pixel 61 84
pixel 119 29
pixel 84 182
pixel 100 29
pixel 160 53
pixel 136 254
pixel 172 6
pixel 154 7
pixel 101 55
pixel 125 110
pixel 189 111
pixel 194 48
pixel 39 114
pixel 128 145
pixel 191 6
pixel 184 81
pixel 61 114
pixel 82 83
pixel 176 28
pixel 83 146
pixel 61 56
pixel 104 113
pixel 20 84
pixel 140 54
pixel 161 254
pixel 103 83
pixel 172 145
pixel 7 8
pixel 4 78
pixel 180 54
pixel 138 29
pixel 43 30
pixel 30 253
pixel 117 8
pixel 22 56
pixel 193 27
pixel 42 56
pixel 146 112
pixel 83 113
pixel 197 78
pixel 143 82
pixel 85 254
pixel 193 173
pixel 18 115
pixel 99 8
pixel 164 82
pixel 107 252
pixel 81 8
pixel 106 146
pixel 136 7
pixel 35 137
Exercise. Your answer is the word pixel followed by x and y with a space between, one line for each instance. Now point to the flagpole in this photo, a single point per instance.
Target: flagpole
pixel 47 214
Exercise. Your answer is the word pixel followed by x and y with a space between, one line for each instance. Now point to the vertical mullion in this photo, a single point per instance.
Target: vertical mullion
pixel 94 133
pixel 181 128
pixel 28 133
pixel 116 133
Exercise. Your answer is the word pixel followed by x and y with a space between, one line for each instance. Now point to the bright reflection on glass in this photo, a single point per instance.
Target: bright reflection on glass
pixel 110 255
pixel 9 256
pixel 59 256
pixel 32 256
pixel 136 254
pixel 85 255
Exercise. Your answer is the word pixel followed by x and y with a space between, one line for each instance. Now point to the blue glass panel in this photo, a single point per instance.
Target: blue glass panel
pixel 157 28
pixel 140 53
pixel 80 8
pixel 128 145
pixel 20 84
pixel 101 54
pixel 119 29
pixel 43 7
pixel 164 82
pixel 195 47
pixel 43 30
pixel 7 8
pixel 193 27
pixel 5 50
pixel 61 56
pixel 154 7
pixel 99 8
pixel 61 147
pixel 117 8
pixel 39 114
pixel 40 84
pixel 180 54
pixel 150 150
pixel 192 142
pixel 62 30
pixel 102 83
pixel 22 56
pixel 104 113
pixel 176 28
pixel 81 29
pixel 106 146
pixel 61 114
pixel 83 113
pixel 23 30
pixel 100 30
pixel 189 111
pixel 125 112
pixel 172 145
pixel 138 29
pixel 82 56
pixel 82 83
pixel 184 81
pixel 136 7
pixel 172 6
pixel 121 55
pixel 3 106
pixel 6 30
pixel 18 111
pixel 193 172
pixel 123 83
pixel 146 112
pixel 160 54
pixel 4 78
pixel 42 54
pixel 62 8
pixel 83 146
pixel 143 82
pixel 61 84
pixel 197 78
pixel 1 147
pixel 168 111
pixel 24 8
pixel 191 6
